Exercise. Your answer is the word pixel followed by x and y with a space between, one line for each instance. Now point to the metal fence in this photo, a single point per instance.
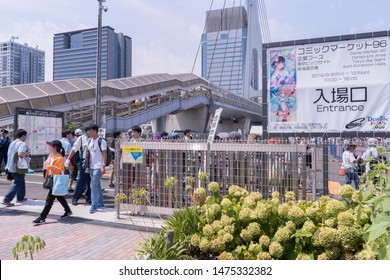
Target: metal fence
pixel 170 171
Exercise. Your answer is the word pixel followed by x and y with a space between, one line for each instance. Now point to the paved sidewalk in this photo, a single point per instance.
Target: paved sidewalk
pixel 83 236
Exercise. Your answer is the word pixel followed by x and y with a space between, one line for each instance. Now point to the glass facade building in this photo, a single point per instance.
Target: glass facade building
pixel 75 54
pixel 21 64
pixel 224 48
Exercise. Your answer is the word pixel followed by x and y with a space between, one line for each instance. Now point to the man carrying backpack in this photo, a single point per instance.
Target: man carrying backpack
pixel 96 161
pixel 84 181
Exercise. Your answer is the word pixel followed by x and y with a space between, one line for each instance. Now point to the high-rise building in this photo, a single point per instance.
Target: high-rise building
pixel 75 54
pixel 20 64
pixel 231 49
pixel 224 46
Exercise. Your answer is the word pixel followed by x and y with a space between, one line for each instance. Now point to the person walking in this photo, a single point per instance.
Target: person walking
pixel 96 161
pixel 370 153
pixel 73 166
pixel 84 181
pixel 54 165
pixel 350 165
pixel 115 135
pixel 5 141
pixel 18 187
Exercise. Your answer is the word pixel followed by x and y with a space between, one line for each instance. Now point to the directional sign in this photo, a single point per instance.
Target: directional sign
pixel 132 154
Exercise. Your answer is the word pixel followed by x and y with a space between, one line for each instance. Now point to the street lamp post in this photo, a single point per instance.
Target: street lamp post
pixel 99 64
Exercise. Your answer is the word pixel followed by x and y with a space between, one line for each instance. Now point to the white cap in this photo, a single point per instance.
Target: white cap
pixel 78 132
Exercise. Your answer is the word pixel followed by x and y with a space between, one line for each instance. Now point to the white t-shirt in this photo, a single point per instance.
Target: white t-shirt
pixel 96 160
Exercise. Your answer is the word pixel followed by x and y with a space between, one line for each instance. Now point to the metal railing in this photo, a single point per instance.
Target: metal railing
pixel 170 171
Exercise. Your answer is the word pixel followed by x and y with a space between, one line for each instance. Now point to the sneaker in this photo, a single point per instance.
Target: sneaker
pixel 112 186
pixel 70 190
pixel 23 200
pixel 74 202
pixel 67 215
pixel 92 210
pixel 39 221
pixel 101 206
pixel 8 204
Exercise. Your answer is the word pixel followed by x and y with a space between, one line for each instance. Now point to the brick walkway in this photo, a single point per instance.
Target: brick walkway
pixel 70 239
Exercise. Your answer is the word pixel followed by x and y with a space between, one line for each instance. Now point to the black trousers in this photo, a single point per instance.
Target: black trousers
pixel 49 203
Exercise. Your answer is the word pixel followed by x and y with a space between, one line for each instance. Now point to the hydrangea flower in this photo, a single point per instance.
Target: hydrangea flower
pixel 283 210
pixel 246 214
pixel 264 241
pixel 276 250
pixel 291 226
pixel 304 257
pixel 214 187
pixel 296 215
pixel 226 220
pixel 229 229
pixel 204 245
pixel 345 218
pixel 226 256
pixel 351 237
pixel 289 196
pixel 332 253
pixel 208 230
pixel 276 195
pixel 365 255
pixel 195 240
pixel 226 203
pixel 262 212
pixel 282 235
pixel 309 226
pixel 200 192
pixel 328 237
pixel 334 207
pixel 331 222
pixel 217 245
pixel 346 192
pixel 264 256
pixel 251 232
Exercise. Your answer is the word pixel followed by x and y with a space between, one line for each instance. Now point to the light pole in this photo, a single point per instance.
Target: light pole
pixel 99 64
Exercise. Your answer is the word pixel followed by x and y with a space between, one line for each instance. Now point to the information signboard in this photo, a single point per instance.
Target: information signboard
pixel 41 126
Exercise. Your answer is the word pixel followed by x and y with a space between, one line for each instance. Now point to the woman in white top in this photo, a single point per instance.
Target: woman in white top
pixel 350 166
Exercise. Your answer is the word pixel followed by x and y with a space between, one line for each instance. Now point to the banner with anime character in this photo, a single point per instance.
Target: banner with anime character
pixel 330 87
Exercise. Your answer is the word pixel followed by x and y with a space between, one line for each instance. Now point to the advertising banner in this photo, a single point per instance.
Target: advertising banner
pixel 330 87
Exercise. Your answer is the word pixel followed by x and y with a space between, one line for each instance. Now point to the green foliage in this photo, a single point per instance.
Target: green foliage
pixel 244 226
pixel 170 182
pixel 140 196
pixel 377 196
pixel 184 223
pixel 120 198
pixel 28 245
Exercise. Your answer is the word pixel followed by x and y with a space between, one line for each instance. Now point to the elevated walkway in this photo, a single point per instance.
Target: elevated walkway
pixel 126 101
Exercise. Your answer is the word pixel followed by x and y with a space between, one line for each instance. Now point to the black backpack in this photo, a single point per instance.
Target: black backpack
pixel 78 155
pixel 110 154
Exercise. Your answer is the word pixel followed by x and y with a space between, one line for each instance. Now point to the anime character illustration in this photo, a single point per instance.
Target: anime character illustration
pixel 283 102
pixel 282 69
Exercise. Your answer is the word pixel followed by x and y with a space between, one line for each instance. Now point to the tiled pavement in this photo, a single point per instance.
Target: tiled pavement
pixel 84 236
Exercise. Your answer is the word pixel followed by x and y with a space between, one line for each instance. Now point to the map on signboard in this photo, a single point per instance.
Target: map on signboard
pixel 132 154
pixel 41 126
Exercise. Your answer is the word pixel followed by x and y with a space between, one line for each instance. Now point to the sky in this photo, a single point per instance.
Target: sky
pixel 166 33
